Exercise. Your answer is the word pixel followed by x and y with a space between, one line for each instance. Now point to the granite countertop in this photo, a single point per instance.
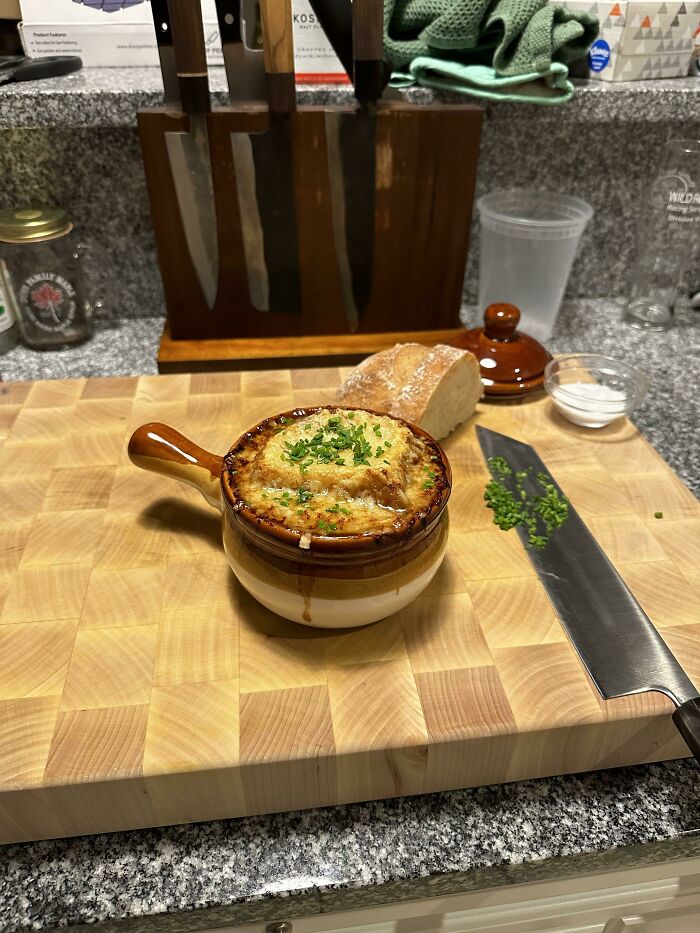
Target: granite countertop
pixel 292 864
pixel 111 96
pixel 185 878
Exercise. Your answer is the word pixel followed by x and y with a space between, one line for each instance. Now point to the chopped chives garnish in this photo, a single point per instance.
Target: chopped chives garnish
pixel 536 513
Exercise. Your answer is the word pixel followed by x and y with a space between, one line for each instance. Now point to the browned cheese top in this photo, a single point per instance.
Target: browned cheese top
pixel 337 472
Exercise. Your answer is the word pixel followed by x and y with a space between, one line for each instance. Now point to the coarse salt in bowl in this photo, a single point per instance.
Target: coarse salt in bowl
pixel 592 390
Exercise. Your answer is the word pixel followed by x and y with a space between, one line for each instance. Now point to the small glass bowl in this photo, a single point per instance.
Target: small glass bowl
pixel 593 390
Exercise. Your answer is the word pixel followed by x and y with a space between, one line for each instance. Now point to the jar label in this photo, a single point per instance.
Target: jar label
pixel 48 301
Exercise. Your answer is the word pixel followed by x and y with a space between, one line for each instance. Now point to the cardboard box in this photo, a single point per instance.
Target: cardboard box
pixel 640 39
pixel 119 33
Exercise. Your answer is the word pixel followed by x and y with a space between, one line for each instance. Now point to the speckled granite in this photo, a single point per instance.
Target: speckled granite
pixel 286 865
pixel 609 165
pixel 83 153
pixel 97 175
pixel 118 348
pixel 111 96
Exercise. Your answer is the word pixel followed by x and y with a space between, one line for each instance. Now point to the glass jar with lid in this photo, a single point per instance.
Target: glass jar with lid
pixel 44 276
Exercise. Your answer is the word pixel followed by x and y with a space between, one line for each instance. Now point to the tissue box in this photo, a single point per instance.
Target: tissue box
pixel 640 39
pixel 119 33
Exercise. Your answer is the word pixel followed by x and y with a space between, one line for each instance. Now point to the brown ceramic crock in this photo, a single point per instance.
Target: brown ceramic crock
pixel 328 581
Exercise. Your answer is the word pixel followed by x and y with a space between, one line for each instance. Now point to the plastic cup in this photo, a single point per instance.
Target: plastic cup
pixel 528 244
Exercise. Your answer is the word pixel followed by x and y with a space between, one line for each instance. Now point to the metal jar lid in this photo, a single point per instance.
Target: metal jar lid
pixel 23 224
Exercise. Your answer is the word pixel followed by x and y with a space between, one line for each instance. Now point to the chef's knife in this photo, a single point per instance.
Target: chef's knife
pixel 245 74
pixel 615 639
pixel 189 151
pixel 351 146
pixel 273 160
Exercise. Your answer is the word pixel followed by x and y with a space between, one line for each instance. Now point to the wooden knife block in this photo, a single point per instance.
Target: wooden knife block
pixel 425 175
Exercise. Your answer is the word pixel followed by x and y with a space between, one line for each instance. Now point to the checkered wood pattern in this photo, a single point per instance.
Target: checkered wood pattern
pixel 139 685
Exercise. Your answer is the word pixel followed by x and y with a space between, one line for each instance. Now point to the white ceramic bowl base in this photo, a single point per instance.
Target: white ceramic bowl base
pixel 336 613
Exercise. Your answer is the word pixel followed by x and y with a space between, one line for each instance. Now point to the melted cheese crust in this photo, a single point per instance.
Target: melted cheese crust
pixel 337 472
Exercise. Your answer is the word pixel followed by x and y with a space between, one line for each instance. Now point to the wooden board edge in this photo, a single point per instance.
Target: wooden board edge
pixel 184 356
pixel 240 790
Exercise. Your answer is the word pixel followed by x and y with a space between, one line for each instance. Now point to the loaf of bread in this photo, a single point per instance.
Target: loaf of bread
pixel 436 388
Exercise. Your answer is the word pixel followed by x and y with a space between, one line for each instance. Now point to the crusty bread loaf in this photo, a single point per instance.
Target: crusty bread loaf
pixel 436 388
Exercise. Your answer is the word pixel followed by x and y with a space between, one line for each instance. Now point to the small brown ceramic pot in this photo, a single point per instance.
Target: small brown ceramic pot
pixel 330 581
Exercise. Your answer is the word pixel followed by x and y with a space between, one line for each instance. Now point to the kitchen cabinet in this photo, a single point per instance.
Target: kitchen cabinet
pixel 659 899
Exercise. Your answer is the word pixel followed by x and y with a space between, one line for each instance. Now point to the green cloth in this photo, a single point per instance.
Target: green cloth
pixel 517 38
pixel 482 81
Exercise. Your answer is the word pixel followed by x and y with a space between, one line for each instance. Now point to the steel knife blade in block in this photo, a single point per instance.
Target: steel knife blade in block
pixel 189 151
pixel 352 155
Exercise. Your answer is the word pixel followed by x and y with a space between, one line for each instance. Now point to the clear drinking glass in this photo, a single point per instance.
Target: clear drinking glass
pixel 669 225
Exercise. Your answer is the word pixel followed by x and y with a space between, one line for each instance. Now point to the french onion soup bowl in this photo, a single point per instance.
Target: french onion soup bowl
pixel 332 517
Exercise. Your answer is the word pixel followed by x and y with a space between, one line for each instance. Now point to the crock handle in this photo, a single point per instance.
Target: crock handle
pixel 162 449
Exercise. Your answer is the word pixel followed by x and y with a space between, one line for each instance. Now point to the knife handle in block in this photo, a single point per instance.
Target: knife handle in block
pixel 166 54
pixel 368 49
pixel 687 720
pixel 278 45
pixel 190 54
pixel 228 13
pixel 161 21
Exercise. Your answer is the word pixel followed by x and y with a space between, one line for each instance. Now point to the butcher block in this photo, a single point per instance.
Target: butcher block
pixel 140 686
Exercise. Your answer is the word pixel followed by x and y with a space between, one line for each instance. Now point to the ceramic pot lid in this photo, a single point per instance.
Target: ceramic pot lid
pixel 511 362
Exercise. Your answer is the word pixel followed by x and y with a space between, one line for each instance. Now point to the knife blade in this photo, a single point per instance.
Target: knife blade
pixel 245 66
pixel 351 145
pixel 615 639
pixel 273 159
pixel 245 74
pixel 188 152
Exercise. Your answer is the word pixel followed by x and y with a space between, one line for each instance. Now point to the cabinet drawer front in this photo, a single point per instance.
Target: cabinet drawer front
pixel 658 899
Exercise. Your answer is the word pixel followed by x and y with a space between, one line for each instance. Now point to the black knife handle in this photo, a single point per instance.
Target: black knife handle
pixel 368 30
pixel 228 13
pixel 166 53
pixel 687 720
pixel 190 54
pixel 278 45
pixel 368 49
pixel 161 21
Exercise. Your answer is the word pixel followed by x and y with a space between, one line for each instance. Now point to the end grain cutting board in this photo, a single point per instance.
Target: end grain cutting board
pixel 140 686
